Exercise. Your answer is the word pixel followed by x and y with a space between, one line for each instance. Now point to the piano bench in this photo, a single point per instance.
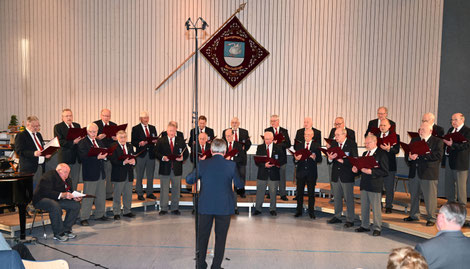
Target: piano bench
pixel 39 211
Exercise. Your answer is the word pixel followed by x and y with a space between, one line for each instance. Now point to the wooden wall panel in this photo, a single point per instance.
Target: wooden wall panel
pixel 328 58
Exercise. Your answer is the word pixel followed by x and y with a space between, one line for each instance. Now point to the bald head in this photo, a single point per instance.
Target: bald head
pixel 308 123
pixel 105 115
pixel 235 123
pixel 428 118
pixel 370 142
pixel 268 138
pixel 384 125
pixel 340 135
pixel 382 113
pixel 229 135
pixel 308 135
pixel 425 130
pixel 203 139
pixel 457 120
pixel 63 170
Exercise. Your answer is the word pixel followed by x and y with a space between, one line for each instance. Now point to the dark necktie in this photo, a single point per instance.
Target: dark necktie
pixel 147 131
pixel 124 149
pixel 306 147
pixel 236 137
pixel 171 145
pixel 267 151
pixel 94 144
pixel 230 147
pixel 368 154
pixel 340 145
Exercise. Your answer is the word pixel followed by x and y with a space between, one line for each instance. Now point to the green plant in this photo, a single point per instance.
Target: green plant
pixel 13 121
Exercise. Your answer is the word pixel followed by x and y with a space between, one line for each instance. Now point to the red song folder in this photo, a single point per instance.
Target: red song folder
pixel 75 133
pixel 391 139
pixel 367 162
pixel 266 159
pixel 333 150
pixel 96 151
pixel 418 147
pixel 231 153
pixel 111 131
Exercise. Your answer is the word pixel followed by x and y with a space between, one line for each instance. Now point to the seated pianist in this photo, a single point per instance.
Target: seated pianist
pixel 54 194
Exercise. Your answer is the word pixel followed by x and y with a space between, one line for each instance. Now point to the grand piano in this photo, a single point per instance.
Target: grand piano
pixel 17 189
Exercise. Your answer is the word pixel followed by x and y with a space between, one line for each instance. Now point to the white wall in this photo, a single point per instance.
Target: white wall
pixel 328 58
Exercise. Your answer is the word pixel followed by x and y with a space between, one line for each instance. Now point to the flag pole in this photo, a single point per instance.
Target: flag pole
pixel 240 8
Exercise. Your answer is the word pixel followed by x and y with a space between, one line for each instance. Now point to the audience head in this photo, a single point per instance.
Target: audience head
pixel 308 123
pixel 274 121
pixel 235 123
pixel 384 125
pixel 201 122
pixel 105 115
pixel 63 170
pixel 229 135
pixel 268 138
pixel 171 129
pixel 406 258
pixel 92 130
pixel 428 118
pixel 339 123
pixel 382 113
pixel 32 124
pixel 218 146
pixel 340 135
pixel 425 130
pixel 203 139
pixel 144 117
pixel 457 120
pixel 370 142
pixel 121 137
pixel 308 135
pixel 67 116
pixel 451 216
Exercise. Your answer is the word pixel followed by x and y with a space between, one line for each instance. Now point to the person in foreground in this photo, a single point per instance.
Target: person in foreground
pixel 54 194
pixel 406 258
pixel 449 248
pixel 216 201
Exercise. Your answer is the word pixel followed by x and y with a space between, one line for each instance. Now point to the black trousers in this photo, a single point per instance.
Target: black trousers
pixel 222 223
pixel 311 182
pixel 54 208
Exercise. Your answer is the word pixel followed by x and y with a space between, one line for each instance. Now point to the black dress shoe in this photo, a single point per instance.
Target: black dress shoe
pixel 151 196
pixel 312 215
pixel 361 230
pixel 268 196
pixel 333 220
pixel 237 212
pixel 257 213
pixel 388 210
pixel 284 198
pixel 466 224
pixel 175 212
pixel 84 223
pixel 409 219
pixel 273 213
pixel 376 233
pixel 117 217
pixel 193 212
pixel 140 197
pixel 109 199
pixel 163 212
pixel 129 215
pixel 430 223
pixel 348 224
pixel 243 195
pixel 103 218
pixel 298 214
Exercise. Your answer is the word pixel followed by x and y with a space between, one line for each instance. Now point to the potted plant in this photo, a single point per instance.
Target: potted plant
pixel 13 125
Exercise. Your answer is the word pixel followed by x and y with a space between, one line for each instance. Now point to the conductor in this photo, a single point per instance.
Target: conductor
pixel 216 201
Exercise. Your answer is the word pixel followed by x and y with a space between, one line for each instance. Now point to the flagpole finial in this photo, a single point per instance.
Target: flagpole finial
pixel 242 6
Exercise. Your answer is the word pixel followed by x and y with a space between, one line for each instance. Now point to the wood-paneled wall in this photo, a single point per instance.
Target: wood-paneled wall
pixel 328 58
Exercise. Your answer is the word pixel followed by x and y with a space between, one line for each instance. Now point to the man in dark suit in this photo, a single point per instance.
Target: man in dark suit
pixel 93 176
pixel 122 176
pixel 171 151
pixel 202 121
pixel 141 133
pixel 308 124
pixel 449 249
pixel 382 114
pixel 241 136
pixel 340 124
pixel 392 151
pixel 54 194
pixel 202 148
pixel 28 147
pixel 429 118
pixel 342 178
pixel 371 186
pixel 276 129
pixel 307 174
pixel 68 151
pixel 458 161
pixel 239 159
pixel 268 173
pixel 105 120
pixel 424 175
pixel 215 201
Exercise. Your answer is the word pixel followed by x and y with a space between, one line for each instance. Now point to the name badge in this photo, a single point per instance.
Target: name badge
pixel 276 156
pixel 180 149
pixel 347 153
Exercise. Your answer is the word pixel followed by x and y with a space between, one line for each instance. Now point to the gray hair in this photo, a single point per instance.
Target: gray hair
pixel 454 212
pixel 91 125
pixel 218 146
